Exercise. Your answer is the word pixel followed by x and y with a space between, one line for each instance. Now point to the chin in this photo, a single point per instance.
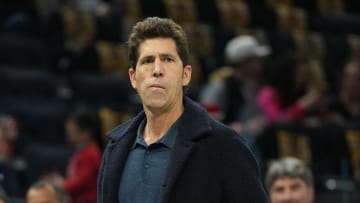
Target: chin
pixel 155 103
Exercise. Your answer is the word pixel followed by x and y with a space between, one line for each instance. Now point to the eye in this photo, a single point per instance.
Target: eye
pixel 147 60
pixel 169 59
pixel 295 187
pixel 279 189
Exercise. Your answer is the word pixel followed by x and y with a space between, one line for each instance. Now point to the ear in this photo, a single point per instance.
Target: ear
pixel 132 74
pixel 187 75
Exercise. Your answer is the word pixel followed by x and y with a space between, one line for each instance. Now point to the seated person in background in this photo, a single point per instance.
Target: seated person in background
pixel 45 192
pixel 285 96
pixel 83 130
pixel 230 96
pixel 289 180
pixel 346 105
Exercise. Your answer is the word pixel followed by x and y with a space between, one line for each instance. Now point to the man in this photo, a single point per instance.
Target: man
pixel 173 151
pixel 288 180
pixel 45 192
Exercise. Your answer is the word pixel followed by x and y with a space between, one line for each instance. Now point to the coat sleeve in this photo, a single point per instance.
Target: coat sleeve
pixel 242 181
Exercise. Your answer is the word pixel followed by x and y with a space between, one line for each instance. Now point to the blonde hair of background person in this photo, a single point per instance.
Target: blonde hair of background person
pixel 45 192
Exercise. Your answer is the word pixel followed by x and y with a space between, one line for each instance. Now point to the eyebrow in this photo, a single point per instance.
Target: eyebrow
pixel 161 56
pixel 167 55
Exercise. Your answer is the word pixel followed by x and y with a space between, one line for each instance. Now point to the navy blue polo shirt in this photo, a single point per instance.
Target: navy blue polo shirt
pixel 145 169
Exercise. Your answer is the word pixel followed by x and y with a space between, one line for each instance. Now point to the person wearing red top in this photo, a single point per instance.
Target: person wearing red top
pixel 81 179
pixel 81 176
pixel 286 96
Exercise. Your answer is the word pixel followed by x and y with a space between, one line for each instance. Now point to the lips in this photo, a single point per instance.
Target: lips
pixel 157 86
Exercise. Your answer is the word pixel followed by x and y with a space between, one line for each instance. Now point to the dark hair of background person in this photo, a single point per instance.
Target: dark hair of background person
pixel 154 27
pixel 89 121
pixel 280 74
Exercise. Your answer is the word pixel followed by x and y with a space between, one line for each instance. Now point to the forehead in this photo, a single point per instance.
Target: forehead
pixel 156 46
pixel 288 181
pixel 43 194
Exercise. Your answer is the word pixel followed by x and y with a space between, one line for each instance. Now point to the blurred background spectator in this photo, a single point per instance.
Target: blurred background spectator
pixel 9 134
pixel 232 90
pixel 80 182
pixel 42 191
pixel 289 180
pixel 11 160
pixel 286 95
pixel 59 56
pixel 346 105
pixel 230 95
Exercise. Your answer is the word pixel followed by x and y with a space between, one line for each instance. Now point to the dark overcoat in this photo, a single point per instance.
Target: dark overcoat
pixel 210 163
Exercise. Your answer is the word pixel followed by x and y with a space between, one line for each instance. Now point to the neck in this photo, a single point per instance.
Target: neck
pixel 159 123
pixel 85 143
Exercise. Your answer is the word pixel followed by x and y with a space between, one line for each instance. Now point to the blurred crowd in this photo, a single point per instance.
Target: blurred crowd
pixel 283 73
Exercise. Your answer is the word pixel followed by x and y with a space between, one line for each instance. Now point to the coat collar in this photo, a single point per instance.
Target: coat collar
pixel 193 122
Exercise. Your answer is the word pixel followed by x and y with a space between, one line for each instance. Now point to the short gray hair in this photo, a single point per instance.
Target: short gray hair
pixel 288 167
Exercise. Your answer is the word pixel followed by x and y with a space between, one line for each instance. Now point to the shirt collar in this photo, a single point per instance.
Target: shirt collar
pixel 168 139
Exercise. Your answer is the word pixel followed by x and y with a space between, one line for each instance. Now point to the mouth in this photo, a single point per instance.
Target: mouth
pixel 156 86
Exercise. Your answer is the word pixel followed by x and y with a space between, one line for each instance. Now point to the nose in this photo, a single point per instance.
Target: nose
pixel 158 70
pixel 287 196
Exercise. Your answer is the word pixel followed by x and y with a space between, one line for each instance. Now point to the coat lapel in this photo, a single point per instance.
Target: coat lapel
pixel 193 125
pixel 118 153
pixel 118 150
pixel 183 149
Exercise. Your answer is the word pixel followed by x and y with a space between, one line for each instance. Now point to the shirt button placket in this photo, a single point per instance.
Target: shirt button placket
pixel 146 165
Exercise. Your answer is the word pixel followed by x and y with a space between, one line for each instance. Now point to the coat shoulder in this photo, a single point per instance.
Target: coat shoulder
pixel 225 133
pixel 118 131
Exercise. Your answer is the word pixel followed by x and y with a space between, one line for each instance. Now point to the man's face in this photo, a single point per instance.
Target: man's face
pixel 41 195
pixel 291 190
pixel 160 74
